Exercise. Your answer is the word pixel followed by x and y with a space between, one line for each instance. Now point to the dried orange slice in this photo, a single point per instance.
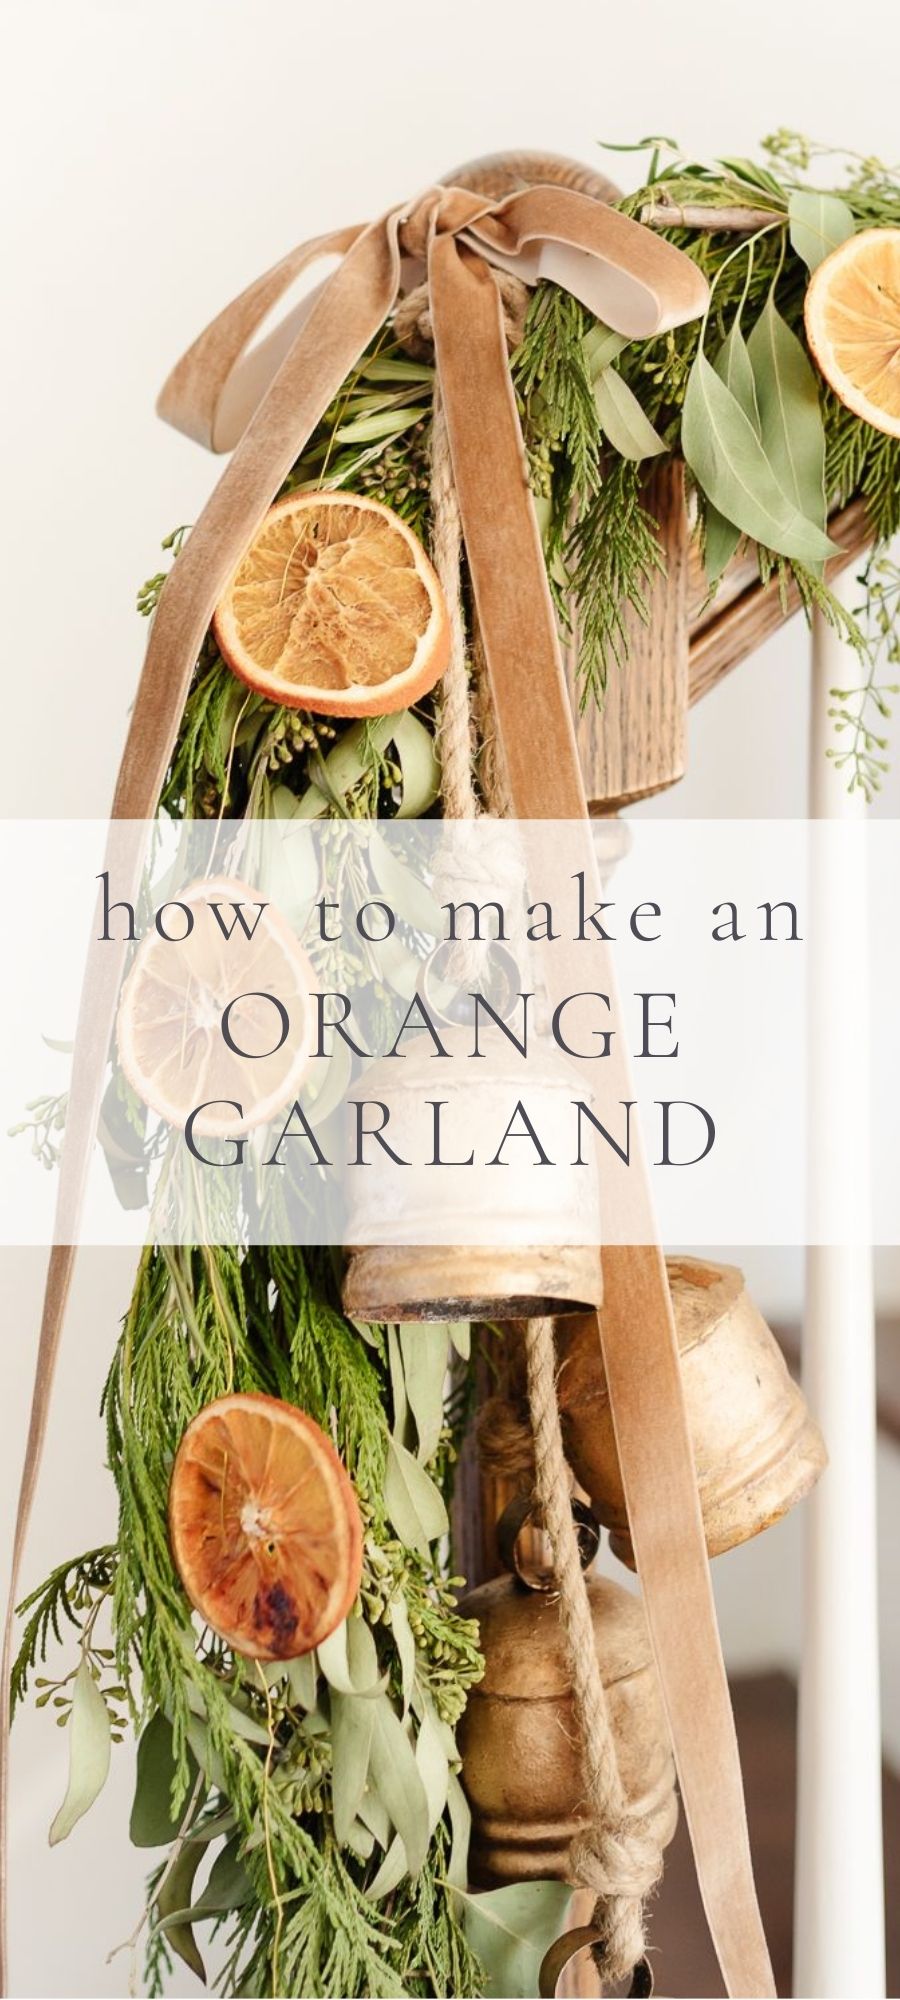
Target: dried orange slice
pixel 265 1527
pixel 852 315
pixel 171 1043
pixel 335 607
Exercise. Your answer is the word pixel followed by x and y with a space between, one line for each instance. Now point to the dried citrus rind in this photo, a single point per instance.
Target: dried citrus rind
pixel 852 318
pixel 335 608
pixel 265 1527
pixel 169 1030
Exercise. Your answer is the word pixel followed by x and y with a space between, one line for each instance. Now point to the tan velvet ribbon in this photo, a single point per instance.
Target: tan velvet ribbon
pixel 267 402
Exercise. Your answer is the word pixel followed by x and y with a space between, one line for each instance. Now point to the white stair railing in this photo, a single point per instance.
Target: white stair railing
pixel 839 1903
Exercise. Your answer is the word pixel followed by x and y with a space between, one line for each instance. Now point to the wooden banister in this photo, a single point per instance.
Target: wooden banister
pixel 744 612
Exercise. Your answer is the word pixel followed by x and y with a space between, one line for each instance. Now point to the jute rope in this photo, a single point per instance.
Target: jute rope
pixel 619 1855
pixel 456 741
pixel 460 798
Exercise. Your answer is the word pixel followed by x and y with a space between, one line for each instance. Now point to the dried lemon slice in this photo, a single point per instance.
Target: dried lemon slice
pixel 852 316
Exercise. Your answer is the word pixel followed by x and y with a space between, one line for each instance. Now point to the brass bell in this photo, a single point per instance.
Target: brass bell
pixel 521 1760
pixel 510 1259
pixel 757 1449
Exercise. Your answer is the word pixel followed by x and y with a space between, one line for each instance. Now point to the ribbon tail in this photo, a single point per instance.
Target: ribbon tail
pixel 637 1326
pixel 625 274
pixel 345 316
pixel 213 390
pixel 503 543
pixel 56 1292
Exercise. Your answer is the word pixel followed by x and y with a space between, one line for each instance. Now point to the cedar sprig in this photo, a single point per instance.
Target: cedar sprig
pixel 70 1597
pixel 553 381
pixel 613 554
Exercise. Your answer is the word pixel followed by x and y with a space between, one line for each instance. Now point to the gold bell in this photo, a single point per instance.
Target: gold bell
pixel 520 1269
pixel 521 1763
pixel 756 1447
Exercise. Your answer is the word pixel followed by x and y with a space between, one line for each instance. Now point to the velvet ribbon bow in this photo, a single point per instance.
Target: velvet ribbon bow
pixel 266 401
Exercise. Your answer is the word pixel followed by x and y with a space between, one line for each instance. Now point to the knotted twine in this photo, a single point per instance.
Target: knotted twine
pixel 619 1855
pixel 463 721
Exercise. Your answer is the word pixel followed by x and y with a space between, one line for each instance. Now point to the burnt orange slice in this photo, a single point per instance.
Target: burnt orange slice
pixel 265 1526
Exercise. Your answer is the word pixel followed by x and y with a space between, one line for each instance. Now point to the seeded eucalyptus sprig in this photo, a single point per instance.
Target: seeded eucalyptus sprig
pixel 860 713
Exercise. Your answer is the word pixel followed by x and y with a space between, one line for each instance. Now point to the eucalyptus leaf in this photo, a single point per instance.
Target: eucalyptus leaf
pixel 344 766
pixel 398 966
pixel 434 1767
pixel 206 1755
pixel 214 1827
pixel 426 1350
pixel 460 1829
pixel 332 1657
pixel 374 1816
pixel 409 897
pixel 791 427
pixel 729 463
pixel 302 1679
pixel 237 700
pixel 630 433
pixel 282 801
pixel 228 1887
pixel 297 867
pixel 346 1672
pixel 315 1724
pixel 543 511
pixel 601 346
pixel 352 1723
pixel 89 1752
pixel 153 1823
pixel 312 804
pixel 510 1930
pixel 420 768
pixel 367 1332
pixel 412 1500
pixel 396 1778
pixel 735 368
pixel 818 223
pixel 387 424
pixel 360 1841
pixel 239 1721
pixel 335 1073
pixel 398 1618
pixel 399 1398
pixel 362 1656
pixel 172 1907
pixel 383 368
pixel 722 539
pixel 392 1871
pixel 461 1336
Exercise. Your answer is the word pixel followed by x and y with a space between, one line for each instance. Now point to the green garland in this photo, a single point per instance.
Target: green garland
pixel 301 1913
pixel 327 1793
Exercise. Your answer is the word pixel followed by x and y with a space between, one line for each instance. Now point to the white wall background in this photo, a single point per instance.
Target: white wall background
pixel 157 154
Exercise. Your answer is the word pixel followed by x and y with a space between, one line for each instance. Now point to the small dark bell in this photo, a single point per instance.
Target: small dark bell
pixel 521 1758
